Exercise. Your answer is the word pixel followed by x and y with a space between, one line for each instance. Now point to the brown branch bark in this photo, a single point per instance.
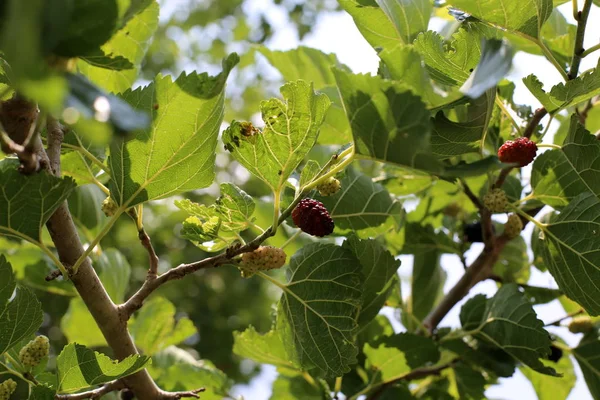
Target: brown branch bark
pixel 417 373
pixel 112 323
pixel 93 394
pixel 582 18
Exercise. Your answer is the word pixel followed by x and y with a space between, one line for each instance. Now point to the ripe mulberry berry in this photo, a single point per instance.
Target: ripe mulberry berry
pixel 329 187
pixel 33 352
pixel 581 325
pixel 521 151
pixel 312 217
pixel 513 227
pixel 262 259
pixel 556 354
pixel 495 200
pixel 7 388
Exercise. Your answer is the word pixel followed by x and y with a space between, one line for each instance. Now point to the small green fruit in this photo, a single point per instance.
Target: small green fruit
pixel 513 227
pixel 262 259
pixel 582 324
pixel 34 352
pixel 495 201
pixel 7 388
pixel 329 187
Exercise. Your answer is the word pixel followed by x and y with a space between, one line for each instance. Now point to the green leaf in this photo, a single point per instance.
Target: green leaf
pixel 130 42
pixel 372 23
pixel 91 24
pixel 495 63
pixel 107 61
pixel 114 272
pixel 469 382
pixel 235 208
pixel 94 103
pixel 493 360
pixel 316 316
pixel 39 392
pixel 174 369
pixel 563 95
pixel 522 18
pixel 403 64
pixel 549 387
pixel 155 329
pixel 304 63
pixel 27 202
pixel 553 179
pixel 335 128
pixel 378 269
pixel 295 387
pixel 477 168
pixel 421 238
pixel 586 354
pixel 509 322
pixel 291 130
pixel 81 368
pixel 427 287
pixel 21 316
pixel 199 231
pixel 449 64
pixel 177 153
pixel 309 172
pixel 388 123
pixel 78 315
pixel 85 207
pixel 580 149
pixel 513 263
pixel 361 203
pixel 572 261
pixel 449 138
pixel 397 355
pixel 409 17
pixel 266 349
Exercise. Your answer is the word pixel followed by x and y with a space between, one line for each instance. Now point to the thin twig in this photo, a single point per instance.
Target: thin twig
pixel 539 114
pixel 474 199
pixel 136 301
pixel 578 50
pixel 56 135
pixel 569 315
pixel 181 395
pixel 417 373
pixel 93 394
pixel 153 258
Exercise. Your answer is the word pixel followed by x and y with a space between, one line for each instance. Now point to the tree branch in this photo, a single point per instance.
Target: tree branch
pixel 578 50
pixel 136 301
pixel 93 394
pixel 569 315
pixel 111 322
pixel 56 134
pixel 417 373
pixel 474 199
pixel 152 257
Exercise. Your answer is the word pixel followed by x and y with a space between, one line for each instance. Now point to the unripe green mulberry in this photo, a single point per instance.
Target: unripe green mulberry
pixel 495 200
pixel 34 352
pixel 329 187
pixel 7 388
pixel 513 227
pixel 262 259
pixel 109 207
pixel 581 325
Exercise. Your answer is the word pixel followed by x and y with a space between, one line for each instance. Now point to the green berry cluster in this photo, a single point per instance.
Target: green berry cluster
pixel 262 259
pixel 34 352
pixel 329 187
pixel 7 388
pixel 495 200
pixel 581 325
pixel 513 227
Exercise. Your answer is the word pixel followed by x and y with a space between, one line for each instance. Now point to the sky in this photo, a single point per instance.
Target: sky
pixel 336 33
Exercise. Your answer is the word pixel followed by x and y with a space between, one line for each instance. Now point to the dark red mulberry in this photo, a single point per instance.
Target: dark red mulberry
pixel 521 151
pixel 312 217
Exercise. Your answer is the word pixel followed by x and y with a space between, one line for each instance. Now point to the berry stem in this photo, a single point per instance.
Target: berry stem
pixel 549 145
pixel 291 239
pixel 506 112
pixel 550 57
pixel 528 217
pixel 590 50
pixel 276 205
pixel 349 153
